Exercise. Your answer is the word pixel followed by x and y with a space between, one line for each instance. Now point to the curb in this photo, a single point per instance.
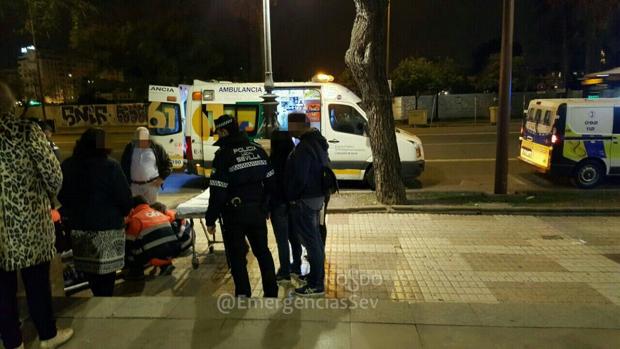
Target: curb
pixel 462 210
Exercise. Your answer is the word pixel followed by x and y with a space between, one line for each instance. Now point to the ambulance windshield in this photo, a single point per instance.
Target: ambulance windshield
pixel 164 118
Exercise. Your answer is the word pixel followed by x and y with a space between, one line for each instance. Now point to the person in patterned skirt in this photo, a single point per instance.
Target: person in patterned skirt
pixel 96 198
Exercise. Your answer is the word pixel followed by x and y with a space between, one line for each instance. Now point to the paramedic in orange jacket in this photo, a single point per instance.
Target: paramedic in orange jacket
pixel 183 228
pixel 149 237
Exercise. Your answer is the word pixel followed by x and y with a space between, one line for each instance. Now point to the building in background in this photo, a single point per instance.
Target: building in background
pixel 65 78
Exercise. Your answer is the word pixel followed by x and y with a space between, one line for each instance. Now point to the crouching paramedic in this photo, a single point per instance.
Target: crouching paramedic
pixel 183 228
pixel 149 238
pixel 240 175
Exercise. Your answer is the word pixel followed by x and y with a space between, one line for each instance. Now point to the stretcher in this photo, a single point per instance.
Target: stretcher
pixel 195 208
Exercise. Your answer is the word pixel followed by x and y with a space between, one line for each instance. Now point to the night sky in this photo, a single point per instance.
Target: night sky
pixel 317 33
pixel 313 35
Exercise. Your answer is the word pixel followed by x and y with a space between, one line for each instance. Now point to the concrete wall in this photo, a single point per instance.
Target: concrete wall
pixel 468 106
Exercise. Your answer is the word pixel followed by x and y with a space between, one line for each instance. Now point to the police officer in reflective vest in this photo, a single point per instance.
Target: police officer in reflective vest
pixel 240 180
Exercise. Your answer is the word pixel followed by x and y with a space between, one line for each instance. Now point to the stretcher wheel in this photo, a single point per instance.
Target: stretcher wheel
pixel 195 263
pixel 211 249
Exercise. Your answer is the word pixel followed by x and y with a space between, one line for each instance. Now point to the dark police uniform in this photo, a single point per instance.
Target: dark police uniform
pixel 239 184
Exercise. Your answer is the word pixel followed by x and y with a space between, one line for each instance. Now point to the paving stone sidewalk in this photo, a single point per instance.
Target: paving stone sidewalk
pixel 419 258
pixel 440 281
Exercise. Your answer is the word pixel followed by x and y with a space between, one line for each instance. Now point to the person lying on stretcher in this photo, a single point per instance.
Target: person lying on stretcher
pixel 149 239
pixel 183 228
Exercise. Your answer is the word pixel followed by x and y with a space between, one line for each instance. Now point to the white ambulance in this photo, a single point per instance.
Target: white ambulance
pixel 182 118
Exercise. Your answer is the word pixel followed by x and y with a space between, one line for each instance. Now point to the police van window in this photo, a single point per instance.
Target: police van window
pixel 346 119
pixel 164 118
pixel 616 120
pixel 547 119
pixel 530 114
pixel 538 115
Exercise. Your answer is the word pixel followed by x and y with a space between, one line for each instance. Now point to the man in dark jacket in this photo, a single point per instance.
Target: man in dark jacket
pixel 146 165
pixel 281 147
pixel 304 173
pixel 240 182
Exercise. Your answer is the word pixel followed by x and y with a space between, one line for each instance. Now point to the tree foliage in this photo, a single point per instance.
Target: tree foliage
pixel 150 44
pixel 46 20
pixel 488 79
pixel 417 75
pixel 149 41
pixel 588 23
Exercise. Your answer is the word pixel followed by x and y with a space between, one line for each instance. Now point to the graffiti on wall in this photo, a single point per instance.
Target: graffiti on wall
pixel 90 115
pixel 100 115
pixel 131 113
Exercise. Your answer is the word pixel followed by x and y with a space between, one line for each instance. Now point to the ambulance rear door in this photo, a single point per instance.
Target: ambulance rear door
pixel 166 115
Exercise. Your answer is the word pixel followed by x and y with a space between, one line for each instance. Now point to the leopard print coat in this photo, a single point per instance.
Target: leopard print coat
pixel 29 175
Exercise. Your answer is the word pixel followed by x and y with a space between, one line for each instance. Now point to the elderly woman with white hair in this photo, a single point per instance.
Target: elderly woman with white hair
pixel 146 165
pixel 29 175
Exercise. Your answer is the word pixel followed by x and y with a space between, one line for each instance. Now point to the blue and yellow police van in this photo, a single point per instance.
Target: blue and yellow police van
pixel 579 138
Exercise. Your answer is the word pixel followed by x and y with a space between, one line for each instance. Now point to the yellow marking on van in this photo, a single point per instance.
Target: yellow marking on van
pixel 200 170
pixel 348 172
pixel 536 154
pixel 592 81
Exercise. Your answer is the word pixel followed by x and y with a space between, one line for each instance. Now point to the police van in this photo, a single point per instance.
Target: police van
pixel 182 119
pixel 573 137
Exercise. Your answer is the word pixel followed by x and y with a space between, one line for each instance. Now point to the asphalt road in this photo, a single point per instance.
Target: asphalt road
pixel 458 158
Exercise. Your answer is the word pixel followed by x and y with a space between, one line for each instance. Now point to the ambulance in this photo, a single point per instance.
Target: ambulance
pixel 182 118
pixel 578 138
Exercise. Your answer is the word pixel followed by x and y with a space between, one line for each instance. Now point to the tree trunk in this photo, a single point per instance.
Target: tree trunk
pixel 366 60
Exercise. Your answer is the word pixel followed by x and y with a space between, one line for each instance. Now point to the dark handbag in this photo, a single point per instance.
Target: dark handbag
pixel 63 236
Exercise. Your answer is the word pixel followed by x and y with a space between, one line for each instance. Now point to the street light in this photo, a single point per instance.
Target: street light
pixel 269 99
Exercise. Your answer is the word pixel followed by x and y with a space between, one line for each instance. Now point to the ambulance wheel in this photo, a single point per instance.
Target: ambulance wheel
pixel 588 174
pixel 369 178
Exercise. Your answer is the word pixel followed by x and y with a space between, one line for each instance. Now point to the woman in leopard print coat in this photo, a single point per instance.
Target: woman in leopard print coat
pixel 29 175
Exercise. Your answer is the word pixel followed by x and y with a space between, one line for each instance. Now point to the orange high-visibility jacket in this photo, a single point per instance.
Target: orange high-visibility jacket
pixel 149 235
pixel 144 220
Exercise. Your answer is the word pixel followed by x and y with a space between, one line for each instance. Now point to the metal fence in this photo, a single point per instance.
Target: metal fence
pixel 467 106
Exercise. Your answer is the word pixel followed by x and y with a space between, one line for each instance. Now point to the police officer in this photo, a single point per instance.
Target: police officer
pixel 240 180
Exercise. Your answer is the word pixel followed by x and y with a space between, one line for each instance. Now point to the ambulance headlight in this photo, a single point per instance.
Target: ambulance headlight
pixel 418 149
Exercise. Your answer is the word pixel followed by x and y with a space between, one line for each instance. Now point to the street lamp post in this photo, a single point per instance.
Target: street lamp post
pixel 269 99
pixel 505 96
pixel 389 28
pixel 40 95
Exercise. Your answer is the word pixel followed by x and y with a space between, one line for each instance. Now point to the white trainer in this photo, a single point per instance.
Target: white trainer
pixel 62 337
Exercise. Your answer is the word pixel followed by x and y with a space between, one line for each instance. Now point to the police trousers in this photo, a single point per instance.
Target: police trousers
pixel 248 221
